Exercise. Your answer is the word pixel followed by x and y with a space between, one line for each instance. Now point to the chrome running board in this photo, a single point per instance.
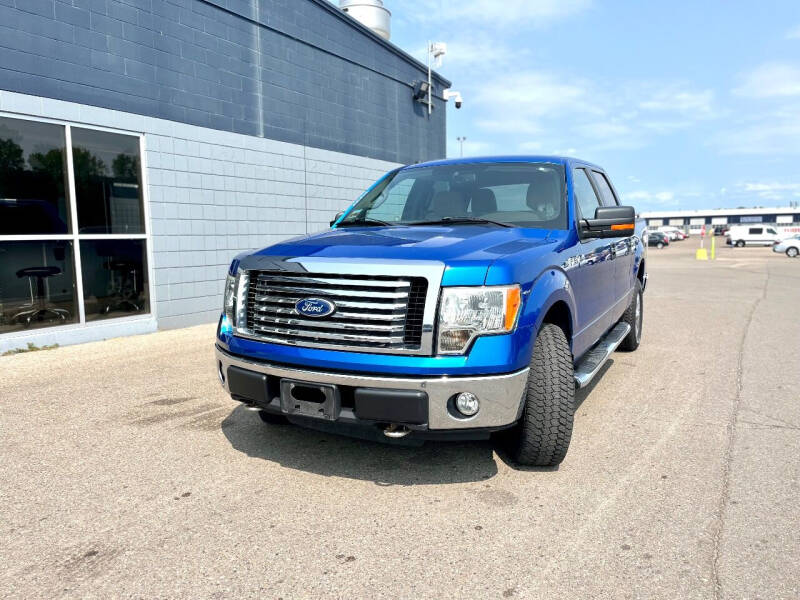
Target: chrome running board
pixel 595 358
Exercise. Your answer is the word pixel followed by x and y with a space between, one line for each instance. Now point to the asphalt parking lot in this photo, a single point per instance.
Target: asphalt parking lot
pixel 127 472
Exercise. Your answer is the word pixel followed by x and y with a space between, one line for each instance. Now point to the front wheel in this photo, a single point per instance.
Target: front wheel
pixel 542 436
pixel 792 252
pixel 660 245
pixel 740 244
pixel 633 316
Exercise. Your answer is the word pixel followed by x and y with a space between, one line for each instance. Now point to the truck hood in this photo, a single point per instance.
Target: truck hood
pixel 466 250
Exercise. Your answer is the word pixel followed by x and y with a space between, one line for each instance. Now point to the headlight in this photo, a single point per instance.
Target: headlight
pixel 233 304
pixel 229 299
pixel 467 312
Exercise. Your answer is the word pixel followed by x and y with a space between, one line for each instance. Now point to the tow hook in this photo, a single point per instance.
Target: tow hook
pixel 396 431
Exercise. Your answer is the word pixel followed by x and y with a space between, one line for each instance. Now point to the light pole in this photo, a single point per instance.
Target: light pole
pixel 461 141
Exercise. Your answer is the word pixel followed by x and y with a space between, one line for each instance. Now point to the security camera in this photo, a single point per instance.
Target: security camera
pixel 455 95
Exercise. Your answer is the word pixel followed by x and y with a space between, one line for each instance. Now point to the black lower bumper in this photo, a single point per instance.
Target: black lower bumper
pixel 405 407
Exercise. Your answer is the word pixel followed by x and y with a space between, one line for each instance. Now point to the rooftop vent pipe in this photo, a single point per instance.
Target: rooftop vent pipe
pixel 370 13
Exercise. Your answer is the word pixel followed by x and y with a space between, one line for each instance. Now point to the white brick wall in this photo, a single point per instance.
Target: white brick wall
pixel 213 194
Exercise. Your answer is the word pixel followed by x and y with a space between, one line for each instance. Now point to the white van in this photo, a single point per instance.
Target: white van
pixel 752 235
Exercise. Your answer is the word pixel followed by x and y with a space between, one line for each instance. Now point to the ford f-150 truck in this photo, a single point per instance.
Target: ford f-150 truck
pixel 454 299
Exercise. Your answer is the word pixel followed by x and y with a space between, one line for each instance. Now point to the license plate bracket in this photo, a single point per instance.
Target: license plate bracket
pixel 307 399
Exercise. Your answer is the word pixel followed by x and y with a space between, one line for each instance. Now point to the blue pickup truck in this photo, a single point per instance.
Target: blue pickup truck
pixel 456 299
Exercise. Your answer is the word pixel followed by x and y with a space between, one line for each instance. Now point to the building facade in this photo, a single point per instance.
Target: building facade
pixel 145 143
pixel 787 217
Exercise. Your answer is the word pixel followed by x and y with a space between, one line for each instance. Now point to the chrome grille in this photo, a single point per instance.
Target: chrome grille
pixel 372 312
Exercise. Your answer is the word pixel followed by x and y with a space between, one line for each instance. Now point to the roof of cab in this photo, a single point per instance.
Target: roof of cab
pixel 561 160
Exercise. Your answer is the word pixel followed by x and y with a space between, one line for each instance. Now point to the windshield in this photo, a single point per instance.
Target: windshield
pixel 516 194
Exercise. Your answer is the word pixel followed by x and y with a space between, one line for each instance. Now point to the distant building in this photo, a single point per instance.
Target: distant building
pixel 143 144
pixel 694 220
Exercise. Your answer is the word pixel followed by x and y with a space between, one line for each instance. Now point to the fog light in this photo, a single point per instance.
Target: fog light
pixel 467 404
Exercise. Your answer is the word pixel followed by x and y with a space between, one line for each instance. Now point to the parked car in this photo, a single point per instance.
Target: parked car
pixel 791 246
pixel 455 298
pixel 752 235
pixel 673 232
pixel 720 230
pixel 659 239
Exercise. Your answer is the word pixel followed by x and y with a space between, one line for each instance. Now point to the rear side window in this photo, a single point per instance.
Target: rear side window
pixel 606 193
pixel 585 197
pixel 755 230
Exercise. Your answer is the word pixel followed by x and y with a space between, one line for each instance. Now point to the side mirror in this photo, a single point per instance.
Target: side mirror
pixel 337 217
pixel 610 222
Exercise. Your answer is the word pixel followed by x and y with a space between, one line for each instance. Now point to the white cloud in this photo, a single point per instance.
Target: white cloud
pixel 663 198
pixel 771 80
pixel 771 133
pixel 531 147
pixel 568 109
pixel 676 99
pixel 494 12
pixel 771 190
pixel 793 34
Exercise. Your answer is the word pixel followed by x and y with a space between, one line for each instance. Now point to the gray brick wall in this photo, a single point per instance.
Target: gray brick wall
pixel 297 71
pixel 215 194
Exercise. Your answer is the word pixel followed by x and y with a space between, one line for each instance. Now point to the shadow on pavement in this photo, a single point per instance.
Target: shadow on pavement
pixel 327 454
pixel 340 456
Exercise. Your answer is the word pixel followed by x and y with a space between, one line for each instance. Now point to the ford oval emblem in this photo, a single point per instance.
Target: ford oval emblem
pixel 314 307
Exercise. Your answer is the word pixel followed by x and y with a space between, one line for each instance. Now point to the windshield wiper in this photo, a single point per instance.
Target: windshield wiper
pixel 457 220
pixel 365 223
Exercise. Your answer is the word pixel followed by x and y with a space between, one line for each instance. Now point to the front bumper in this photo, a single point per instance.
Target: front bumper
pixel 500 395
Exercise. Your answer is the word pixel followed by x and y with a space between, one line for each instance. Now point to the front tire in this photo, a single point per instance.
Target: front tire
pixel 634 316
pixel 740 244
pixel 542 436
pixel 660 245
pixel 792 252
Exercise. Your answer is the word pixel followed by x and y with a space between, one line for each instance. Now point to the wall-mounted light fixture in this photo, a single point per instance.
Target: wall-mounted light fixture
pixel 421 91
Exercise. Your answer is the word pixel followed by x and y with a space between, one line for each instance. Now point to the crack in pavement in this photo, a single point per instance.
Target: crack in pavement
pixel 722 506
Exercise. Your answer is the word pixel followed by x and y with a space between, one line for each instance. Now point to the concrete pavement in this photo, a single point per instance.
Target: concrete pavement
pixel 127 472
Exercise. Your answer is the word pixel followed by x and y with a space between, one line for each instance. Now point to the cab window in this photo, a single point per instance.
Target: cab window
pixel 585 196
pixel 604 187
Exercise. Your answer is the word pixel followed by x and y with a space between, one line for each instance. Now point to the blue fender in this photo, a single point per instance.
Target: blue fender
pixel 549 287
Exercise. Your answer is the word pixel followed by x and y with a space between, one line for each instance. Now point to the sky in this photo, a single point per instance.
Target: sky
pixel 686 104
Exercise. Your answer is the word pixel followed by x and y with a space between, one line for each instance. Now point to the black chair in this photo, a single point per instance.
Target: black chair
pixel 38 308
pixel 124 292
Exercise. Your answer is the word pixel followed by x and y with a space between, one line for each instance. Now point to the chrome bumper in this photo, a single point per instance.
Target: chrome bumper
pixel 500 395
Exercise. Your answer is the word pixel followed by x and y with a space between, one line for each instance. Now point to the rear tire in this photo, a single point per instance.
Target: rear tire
pixel 634 316
pixel 740 244
pixel 542 436
pixel 792 252
pixel 660 245
pixel 271 419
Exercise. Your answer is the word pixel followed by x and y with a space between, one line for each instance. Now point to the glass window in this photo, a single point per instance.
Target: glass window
pixel 772 231
pixel 37 285
pixel 107 182
pixel 604 187
pixel 585 196
pixel 32 178
pixel 756 230
pixel 393 202
pixel 523 194
pixel 114 278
